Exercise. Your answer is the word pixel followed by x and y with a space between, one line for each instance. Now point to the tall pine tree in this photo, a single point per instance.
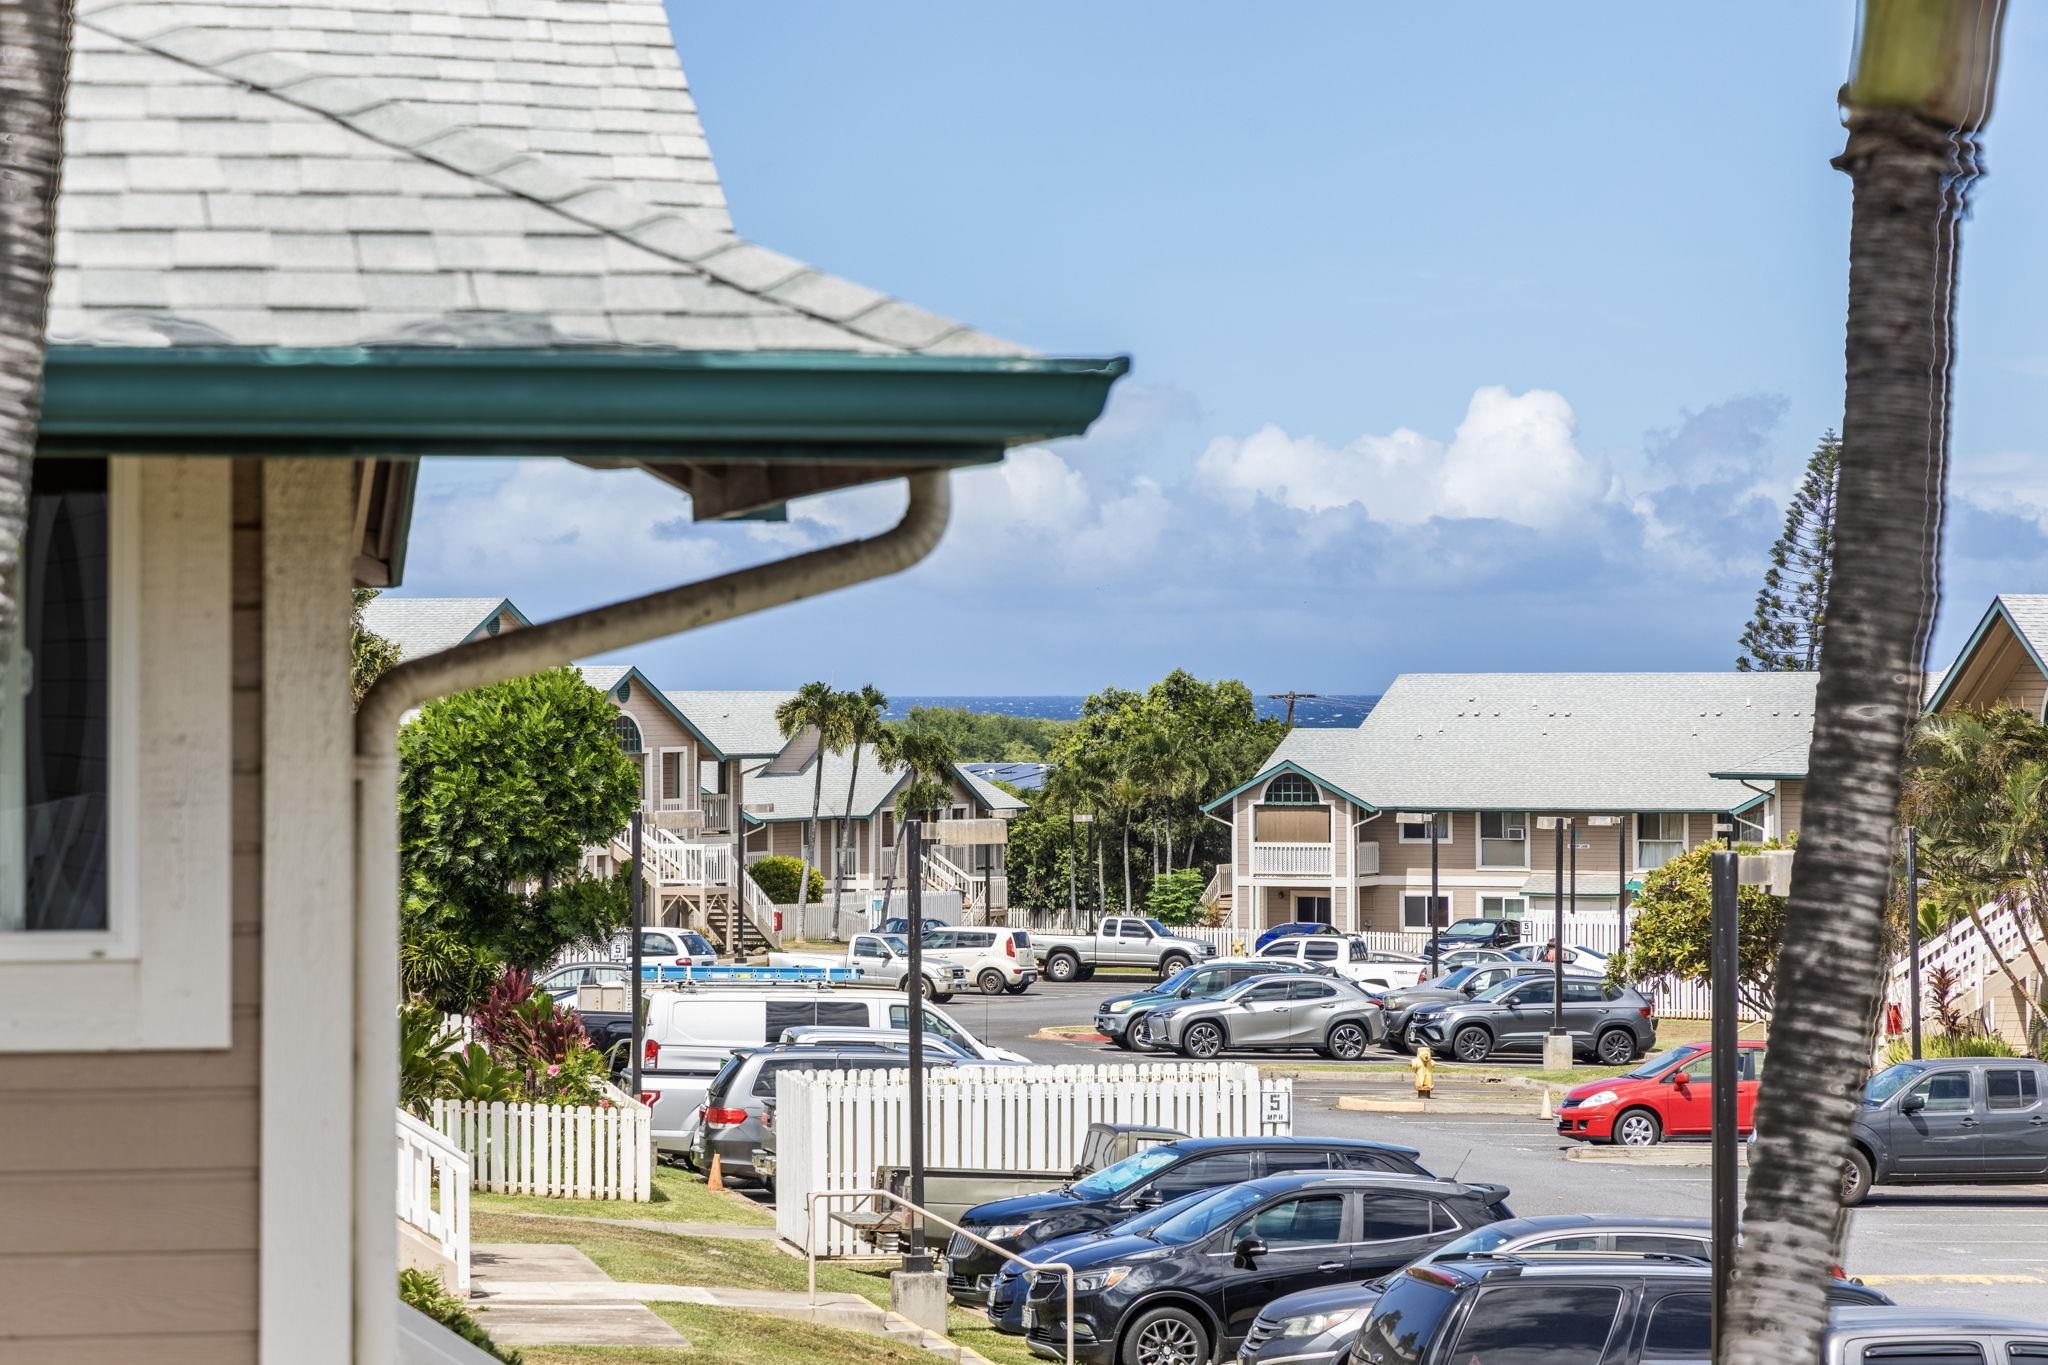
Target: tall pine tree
pixel 1792 607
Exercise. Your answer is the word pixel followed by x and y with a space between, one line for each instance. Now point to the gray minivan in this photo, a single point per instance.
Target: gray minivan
pixel 1951 1121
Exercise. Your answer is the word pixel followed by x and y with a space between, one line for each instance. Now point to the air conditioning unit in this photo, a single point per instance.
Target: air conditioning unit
pixel 1514 832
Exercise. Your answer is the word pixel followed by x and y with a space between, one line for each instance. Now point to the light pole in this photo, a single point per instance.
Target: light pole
pixel 639 903
pixel 1913 933
pixel 915 1257
pixel 1436 915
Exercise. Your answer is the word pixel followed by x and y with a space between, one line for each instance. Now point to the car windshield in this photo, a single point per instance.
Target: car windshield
pixel 1470 928
pixel 1890 1081
pixel 1144 1223
pixel 699 945
pixel 1159 928
pixel 897 942
pixel 1174 982
pixel 1220 1209
pixel 1500 988
pixel 1656 1064
pixel 1115 1179
pixel 1450 981
pixel 1477 1242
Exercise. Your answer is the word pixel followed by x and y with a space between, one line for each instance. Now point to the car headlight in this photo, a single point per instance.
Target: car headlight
pixel 1315 1324
pixel 1594 1101
pixel 1117 1006
pixel 1011 1231
pixel 1095 1281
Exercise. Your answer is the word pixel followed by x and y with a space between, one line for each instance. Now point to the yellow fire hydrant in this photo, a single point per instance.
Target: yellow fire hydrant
pixel 1423 1064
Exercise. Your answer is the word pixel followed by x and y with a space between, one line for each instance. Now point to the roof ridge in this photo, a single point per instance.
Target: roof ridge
pixel 407 127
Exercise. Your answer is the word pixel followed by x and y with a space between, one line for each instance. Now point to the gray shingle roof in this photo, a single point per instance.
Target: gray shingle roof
pixel 741 724
pixel 791 792
pixel 1559 741
pixel 2029 613
pixel 427 625
pixel 483 173
pixel 1788 761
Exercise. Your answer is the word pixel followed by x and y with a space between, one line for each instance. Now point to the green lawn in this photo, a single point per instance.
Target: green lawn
pixel 678 1196
pixel 720 1336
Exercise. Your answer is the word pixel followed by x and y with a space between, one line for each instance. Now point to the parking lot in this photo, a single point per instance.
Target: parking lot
pixel 1948 1245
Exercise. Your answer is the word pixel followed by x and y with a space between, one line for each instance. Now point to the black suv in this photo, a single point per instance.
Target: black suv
pixel 1189 1289
pixel 1617 1310
pixel 1148 1179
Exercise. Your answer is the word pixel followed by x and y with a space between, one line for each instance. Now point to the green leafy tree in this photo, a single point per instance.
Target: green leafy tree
pixel 499 792
pixel 1792 605
pixel 370 653
pixel 780 876
pixel 987 736
pixel 1673 932
pixel 863 728
pixel 1176 897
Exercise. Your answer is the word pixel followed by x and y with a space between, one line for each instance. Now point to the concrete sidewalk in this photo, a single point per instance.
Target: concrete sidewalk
pixel 557 1296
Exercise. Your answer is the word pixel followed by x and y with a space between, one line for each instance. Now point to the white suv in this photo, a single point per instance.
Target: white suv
pixel 996 960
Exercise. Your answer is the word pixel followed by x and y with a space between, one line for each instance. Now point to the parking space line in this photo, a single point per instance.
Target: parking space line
pixel 1957 1278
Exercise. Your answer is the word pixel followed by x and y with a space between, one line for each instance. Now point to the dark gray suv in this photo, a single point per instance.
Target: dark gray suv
pixel 1461 983
pixel 1611 1024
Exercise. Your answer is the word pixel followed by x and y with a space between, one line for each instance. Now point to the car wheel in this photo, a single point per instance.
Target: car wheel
pixel 1471 1044
pixel 1856 1178
pixel 1165 1336
pixel 1202 1040
pixel 1019 988
pixel 1062 967
pixel 1123 1040
pixel 1085 974
pixel 1637 1128
pixel 991 982
pixel 1399 1043
pixel 1171 963
pixel 1347 1042
pixel 925 989
pixel 1615 1047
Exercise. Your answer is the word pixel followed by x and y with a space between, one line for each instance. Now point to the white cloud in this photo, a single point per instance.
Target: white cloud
pixel 1514 457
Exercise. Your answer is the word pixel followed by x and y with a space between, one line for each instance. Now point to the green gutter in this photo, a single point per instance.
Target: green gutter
pixel 772 407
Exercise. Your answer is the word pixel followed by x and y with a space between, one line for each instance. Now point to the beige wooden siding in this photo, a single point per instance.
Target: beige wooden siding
pixel 2026 688
pixel 786 838
pixel 1241 835
pixel 1396 857
pixel 1600 854
pixel 128 1181
pixel 1791 805
pixel 1293 824
pixel 659 730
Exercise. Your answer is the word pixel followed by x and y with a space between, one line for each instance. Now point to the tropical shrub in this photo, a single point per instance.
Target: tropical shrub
pixel 1951 1045
pixel 426 1058
pixel 1176 897
pixel 1673 931
pixel 778 876
pixel 543 1043
pixel 475 1075
pixel 426 1293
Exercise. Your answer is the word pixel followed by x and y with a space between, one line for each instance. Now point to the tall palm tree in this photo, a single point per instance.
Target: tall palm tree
pixel 929 758
pixel 36 35
pixel 864 726
pixel 1922 84
pixel 813 708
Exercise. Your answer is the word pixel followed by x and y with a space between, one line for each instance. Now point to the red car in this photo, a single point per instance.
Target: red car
pixel 1670 1095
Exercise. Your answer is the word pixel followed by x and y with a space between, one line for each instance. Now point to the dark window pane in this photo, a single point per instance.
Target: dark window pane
pixel 1204 1173
pixel 1280 1163
pixel 788 1014
pixel 1294 1223
pixel 1681 1328
pixel 1322 950
pixel 62 665
pixel 1659 1244
pixel 1375 1161
pixel 1532 1324
pixel 1389 1217
pixel 1312 990
pixel 1584 992
pixel 1947 1091
pixel 1927 1353
pixel 2029 1350
pixel 2010 1089
pixel 1404 1322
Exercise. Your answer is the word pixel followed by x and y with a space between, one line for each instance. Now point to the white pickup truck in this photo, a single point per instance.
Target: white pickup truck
pixel 1119 941
pixel 884 959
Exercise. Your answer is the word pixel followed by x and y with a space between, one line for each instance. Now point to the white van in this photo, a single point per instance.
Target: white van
pixel 694 1024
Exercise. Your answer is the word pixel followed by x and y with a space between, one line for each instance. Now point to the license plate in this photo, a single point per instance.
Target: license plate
pixel 1030 1318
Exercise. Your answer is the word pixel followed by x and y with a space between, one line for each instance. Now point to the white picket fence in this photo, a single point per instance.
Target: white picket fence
pixel 834 1128
pixel 559 1150
pixel 1983 988
pixel 433 1192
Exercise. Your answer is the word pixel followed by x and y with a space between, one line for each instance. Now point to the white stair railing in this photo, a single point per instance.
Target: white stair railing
pixel 433 1192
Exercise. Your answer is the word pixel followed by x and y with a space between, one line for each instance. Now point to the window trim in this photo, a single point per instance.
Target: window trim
pixel 1423 896
pixel 1684 840
pixel 1503 897
pixel 171 748
pixel 1444 840
pixel 1315 795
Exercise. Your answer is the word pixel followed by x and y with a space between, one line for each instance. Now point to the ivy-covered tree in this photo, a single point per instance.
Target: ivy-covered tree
pixel 499 792
pixel 1792 606
pixel 369 653
pixel 1673 932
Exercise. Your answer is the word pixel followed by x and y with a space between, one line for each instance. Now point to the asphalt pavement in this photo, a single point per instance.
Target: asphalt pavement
pixel 1955 1246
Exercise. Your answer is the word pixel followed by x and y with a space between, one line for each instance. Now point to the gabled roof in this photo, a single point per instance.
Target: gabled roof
pixel 2024 614
pixel 737 724
pixel 1786 763
pixel 790 790
pixel 427 625
pixel 1327 749
pixel 1022 776
pixel 399 173
pixel 1566 742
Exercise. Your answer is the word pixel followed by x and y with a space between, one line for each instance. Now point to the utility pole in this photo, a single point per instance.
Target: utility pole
pixel 1436 917
pixel 1913 933
pixel 1290 698
pixel 639 901
pixel 915 1257
pixel 1560 1041
pixel 1725 878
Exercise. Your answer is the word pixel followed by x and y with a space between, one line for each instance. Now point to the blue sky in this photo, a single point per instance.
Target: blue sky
pixel 1464 337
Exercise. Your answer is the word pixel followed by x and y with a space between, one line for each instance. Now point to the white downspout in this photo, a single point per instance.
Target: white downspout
pixel 494 659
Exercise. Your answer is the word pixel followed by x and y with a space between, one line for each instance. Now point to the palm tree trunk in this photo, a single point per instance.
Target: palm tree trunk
pixel 1101 883
pixel 895 860
pixel 1073 834
pixel 1167 822
pixel 845 827
pixel 1894 444
pixel 812 850
pixel 37 36
pixel 1127 863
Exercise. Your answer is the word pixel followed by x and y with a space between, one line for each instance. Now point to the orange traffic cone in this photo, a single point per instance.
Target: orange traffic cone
pixel 716 1179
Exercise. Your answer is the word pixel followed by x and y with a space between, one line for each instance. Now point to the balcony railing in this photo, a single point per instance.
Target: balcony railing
pixel 1291 860
pixel 1368 858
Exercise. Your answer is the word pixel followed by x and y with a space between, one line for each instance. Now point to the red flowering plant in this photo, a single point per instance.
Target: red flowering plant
pixel 543 1043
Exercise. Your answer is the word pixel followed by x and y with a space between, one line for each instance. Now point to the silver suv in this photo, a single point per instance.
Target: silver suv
pixel 1327 1015
pixel 738 1125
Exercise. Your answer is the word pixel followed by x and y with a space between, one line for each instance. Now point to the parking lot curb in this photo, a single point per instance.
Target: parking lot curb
pixel 1059 1034
pixel 1525 1107
pixel 1663 1154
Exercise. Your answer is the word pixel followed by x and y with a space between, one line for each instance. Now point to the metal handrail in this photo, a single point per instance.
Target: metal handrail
pixel 811 1248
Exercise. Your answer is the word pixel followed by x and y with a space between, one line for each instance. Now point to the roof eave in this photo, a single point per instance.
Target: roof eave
pixel 628 405
pixel 1283 766
pixel 1996 612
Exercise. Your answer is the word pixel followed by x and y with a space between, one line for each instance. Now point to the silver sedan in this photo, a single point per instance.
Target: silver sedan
pixel 1270 1013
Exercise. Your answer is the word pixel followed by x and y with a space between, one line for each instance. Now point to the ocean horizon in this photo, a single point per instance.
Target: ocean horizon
pixel 1330 711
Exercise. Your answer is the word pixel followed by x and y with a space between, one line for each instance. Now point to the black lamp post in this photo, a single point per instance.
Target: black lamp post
pixel 915 1257
pixel 1913 933
pixel 1557 938
pixel 639 893
pixel 1436 915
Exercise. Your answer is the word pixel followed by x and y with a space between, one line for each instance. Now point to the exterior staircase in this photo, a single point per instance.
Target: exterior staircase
pixel 693 883
pixel 1984 989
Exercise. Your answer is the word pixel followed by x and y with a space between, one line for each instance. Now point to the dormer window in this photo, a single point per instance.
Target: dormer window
pixel 1292 789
